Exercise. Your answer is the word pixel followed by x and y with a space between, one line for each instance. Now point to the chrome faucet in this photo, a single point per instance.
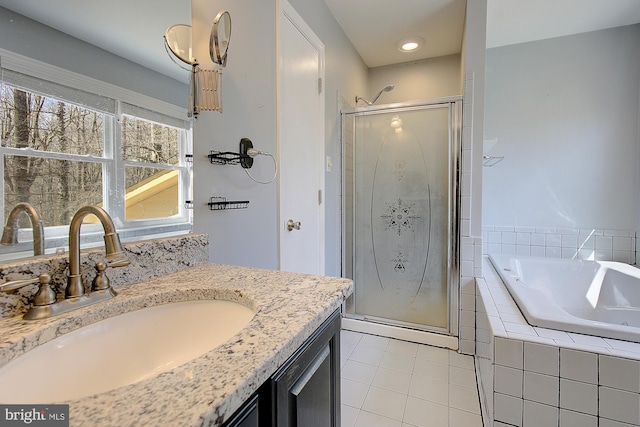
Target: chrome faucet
pixel 10 233
pixel 115 256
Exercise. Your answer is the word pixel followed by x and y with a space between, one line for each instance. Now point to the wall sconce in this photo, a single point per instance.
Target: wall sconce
pixel 206 85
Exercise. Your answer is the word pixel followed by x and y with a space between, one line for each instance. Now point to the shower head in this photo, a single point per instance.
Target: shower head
pixel 385 89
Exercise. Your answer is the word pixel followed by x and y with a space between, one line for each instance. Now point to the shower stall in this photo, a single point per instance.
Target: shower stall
pixel 401 198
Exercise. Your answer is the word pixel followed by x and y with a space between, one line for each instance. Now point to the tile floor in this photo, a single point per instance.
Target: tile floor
pixel 393 383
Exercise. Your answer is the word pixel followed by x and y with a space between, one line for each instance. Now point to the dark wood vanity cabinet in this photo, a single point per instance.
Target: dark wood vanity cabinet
pixel 305 391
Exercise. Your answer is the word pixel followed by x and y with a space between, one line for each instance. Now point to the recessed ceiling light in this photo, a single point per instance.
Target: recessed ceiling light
pixel 410 44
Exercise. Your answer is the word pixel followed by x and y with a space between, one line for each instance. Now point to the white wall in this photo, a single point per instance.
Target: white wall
pixel 425 79
pixel 565 114
pixel 32 39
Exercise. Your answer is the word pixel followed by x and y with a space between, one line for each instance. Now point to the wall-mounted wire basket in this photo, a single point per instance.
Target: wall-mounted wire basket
pixel 221 203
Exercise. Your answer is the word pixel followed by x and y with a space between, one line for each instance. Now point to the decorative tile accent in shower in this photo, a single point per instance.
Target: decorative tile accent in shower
pixel 544 377
pixel 573 243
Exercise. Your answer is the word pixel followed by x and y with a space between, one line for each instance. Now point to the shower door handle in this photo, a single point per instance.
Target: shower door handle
pixel 293 225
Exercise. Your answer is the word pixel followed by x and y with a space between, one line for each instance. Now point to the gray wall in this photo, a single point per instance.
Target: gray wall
pixel 565 115
pixel 32 39
pixel 244 236
pixel 249 236
pixel 424 79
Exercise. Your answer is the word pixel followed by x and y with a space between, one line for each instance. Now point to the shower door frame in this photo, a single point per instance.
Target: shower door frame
pixel 396 328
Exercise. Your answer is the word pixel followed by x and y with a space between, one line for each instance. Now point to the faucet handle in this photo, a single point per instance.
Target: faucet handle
pixel 101 281
pixel 44 296
pixel 13 285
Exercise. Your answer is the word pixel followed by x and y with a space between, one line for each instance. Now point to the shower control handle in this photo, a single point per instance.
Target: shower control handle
pixel 293 225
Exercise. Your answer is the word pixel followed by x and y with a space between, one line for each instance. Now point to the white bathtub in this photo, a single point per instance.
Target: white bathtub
pixel 588 297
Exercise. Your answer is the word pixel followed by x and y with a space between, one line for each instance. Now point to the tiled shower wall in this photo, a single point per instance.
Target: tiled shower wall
pixel 576 243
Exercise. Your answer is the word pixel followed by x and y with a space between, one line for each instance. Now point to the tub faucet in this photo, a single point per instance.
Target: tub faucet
pixel 10 233
pixel 115 256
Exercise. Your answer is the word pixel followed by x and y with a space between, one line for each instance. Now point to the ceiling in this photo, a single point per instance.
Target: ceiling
pixel 375 27
pixel 134 29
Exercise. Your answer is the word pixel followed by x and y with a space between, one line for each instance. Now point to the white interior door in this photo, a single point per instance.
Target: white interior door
pixel 301 145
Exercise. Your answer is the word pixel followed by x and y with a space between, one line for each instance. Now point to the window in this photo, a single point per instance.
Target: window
pixel 63 148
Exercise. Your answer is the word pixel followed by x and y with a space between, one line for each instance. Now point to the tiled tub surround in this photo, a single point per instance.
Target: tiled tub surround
pixel 530 376
pixel 149 259
pixel 582 243
pixel 207 390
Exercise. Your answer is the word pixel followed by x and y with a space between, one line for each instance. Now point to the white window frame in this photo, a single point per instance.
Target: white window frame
pixel 113 166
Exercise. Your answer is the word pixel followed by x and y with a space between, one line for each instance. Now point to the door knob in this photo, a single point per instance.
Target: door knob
pixel 293 225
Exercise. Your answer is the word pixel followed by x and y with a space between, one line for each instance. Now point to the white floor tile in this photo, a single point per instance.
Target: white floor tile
pixel 368 355
pixel 393 380
pixel 461 360
pixel 397 361
pixel 462 376
pixel 374 341
pixel 430 369
pixel 429 389
pixel 350 337
pixel 358 371
pixel 423 413
pixel 346 349
pixel 464 398
pixel 353 393
pixel 404 348
pixel 393 383
pixel 348 416
pixel 367 419
pixel 435 354
pixel 385 402
pixel 464 418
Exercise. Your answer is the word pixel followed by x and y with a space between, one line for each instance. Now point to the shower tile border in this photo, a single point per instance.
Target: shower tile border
pixel 571 243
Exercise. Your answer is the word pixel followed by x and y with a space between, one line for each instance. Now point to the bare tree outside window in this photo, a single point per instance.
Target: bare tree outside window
pixel 57 188
pixel 59 156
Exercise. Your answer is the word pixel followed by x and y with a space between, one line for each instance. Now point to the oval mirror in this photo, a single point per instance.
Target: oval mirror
pixel 220 36
pixel 177 41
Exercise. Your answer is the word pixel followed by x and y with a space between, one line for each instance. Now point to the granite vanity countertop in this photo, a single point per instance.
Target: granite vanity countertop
pixel 206 391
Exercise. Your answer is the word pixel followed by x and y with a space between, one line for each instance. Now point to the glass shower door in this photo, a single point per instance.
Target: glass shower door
pixel 403 216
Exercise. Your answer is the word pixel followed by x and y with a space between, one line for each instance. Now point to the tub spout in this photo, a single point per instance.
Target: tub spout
pixel 10 233
pixel 115 256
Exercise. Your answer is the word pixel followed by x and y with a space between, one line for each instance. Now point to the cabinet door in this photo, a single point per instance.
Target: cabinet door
pixel 246 416
pixel 308 386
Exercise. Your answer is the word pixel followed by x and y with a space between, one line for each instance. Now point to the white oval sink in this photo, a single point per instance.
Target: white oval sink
pixel 121 350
